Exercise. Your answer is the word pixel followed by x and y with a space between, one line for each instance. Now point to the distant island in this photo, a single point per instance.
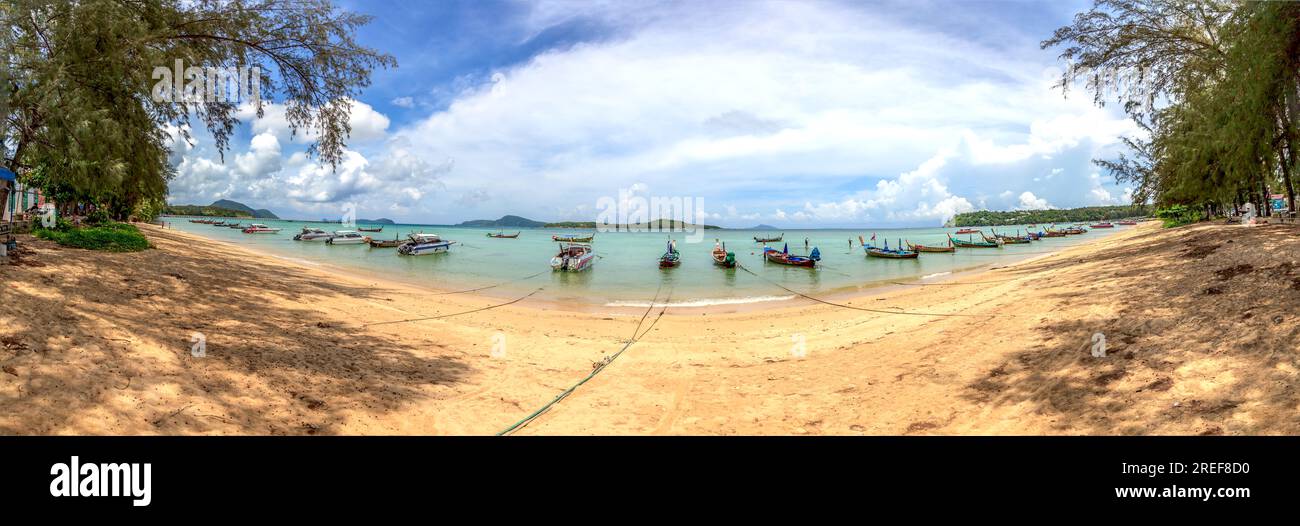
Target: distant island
pixel 1021 217
pixel 763 227
pixel 219 208
pixel 505 221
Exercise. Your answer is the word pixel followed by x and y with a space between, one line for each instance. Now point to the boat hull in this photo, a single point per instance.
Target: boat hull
pixel 784 259
pixel 423 249
pixel 929 249
pixel 890 254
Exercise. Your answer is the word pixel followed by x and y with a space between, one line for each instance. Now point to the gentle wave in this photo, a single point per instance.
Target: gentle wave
pixel 701 303
pixel 935 275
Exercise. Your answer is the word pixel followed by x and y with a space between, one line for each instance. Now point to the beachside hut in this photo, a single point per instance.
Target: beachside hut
pixel 8 185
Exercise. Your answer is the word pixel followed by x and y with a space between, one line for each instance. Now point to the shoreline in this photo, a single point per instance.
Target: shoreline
pixel 782 298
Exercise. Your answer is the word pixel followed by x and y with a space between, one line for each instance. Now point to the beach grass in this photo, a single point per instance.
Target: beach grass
pixel 109 236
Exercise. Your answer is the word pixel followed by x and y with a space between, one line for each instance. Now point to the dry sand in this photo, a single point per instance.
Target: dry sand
pixel 1200 324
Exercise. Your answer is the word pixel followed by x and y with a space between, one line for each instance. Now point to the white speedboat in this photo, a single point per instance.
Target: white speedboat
pixel 312 234
pixel 347 237
pixel 421 244
pixel 258 228
pixel 573 257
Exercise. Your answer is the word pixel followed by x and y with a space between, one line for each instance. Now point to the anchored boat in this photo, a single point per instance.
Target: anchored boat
pixel 959 243
pixel 421 244
pixel 721 257
pixel 769 239
pixel 887 253
pixel 572 239
pixel 258 228
pixel 930 248
pixel 312 234
pixel 671 257
pixel 784 257
pixel 501 235
pixel 347 237
pixel 573 257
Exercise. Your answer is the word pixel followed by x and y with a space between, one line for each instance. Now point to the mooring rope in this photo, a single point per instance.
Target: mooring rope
pixel 864 309
pixel 440 316
pixel 600 366
pixel 489 286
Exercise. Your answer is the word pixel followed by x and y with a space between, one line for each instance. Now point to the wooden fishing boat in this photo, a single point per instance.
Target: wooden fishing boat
pixel 959 243
pixel 723 258
pixel 969 231
pixel 776 239
pixel 365 229
pixel 385 243
pixel 1009 240
pixel 573 257
pixel 784 257
pixel 501 235
pixel 1074 231
pixel 573 239
pixel 888 253
pixel 929 248
pixel 1053 233
pixel 1103 225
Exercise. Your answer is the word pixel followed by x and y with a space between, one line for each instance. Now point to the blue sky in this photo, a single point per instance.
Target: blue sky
pixel 834 114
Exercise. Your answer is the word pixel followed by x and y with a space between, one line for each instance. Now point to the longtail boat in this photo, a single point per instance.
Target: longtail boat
pixel 769 239
pixel 573 239
pixel 671 257
pixel 887 253
pixel 1103 225
pixel 929 248
pixel 1053 233
pixel 784 257
pixel 502 235
pixel 723 258
pixel 973 244
pixel 1074 231
pixel 385 243
pixel 364 229
pixel 1010 240
pixel 969 231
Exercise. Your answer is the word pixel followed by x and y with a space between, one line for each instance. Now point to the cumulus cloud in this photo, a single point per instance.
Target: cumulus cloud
pixel 403 102
pixel 1029 201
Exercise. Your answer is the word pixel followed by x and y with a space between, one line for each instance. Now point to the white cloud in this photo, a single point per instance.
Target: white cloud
pixel 1029 201
pixel 404 102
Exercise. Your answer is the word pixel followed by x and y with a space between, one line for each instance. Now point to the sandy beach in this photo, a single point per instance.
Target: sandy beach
pixel 1199 324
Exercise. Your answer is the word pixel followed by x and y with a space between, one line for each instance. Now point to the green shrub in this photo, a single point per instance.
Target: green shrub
pixel 1178 215
pixel 112 237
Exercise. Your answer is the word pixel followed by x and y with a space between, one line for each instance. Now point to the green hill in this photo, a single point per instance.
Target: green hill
pixel 235 205
pixel 211 211
pixel 505 221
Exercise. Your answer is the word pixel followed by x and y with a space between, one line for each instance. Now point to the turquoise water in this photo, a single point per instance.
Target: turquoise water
pixel 626 272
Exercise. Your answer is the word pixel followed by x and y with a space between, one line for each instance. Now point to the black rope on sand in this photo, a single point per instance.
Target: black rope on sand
pixel 599 366
pixel 489 286
pixel 440 316
pixel 864 309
